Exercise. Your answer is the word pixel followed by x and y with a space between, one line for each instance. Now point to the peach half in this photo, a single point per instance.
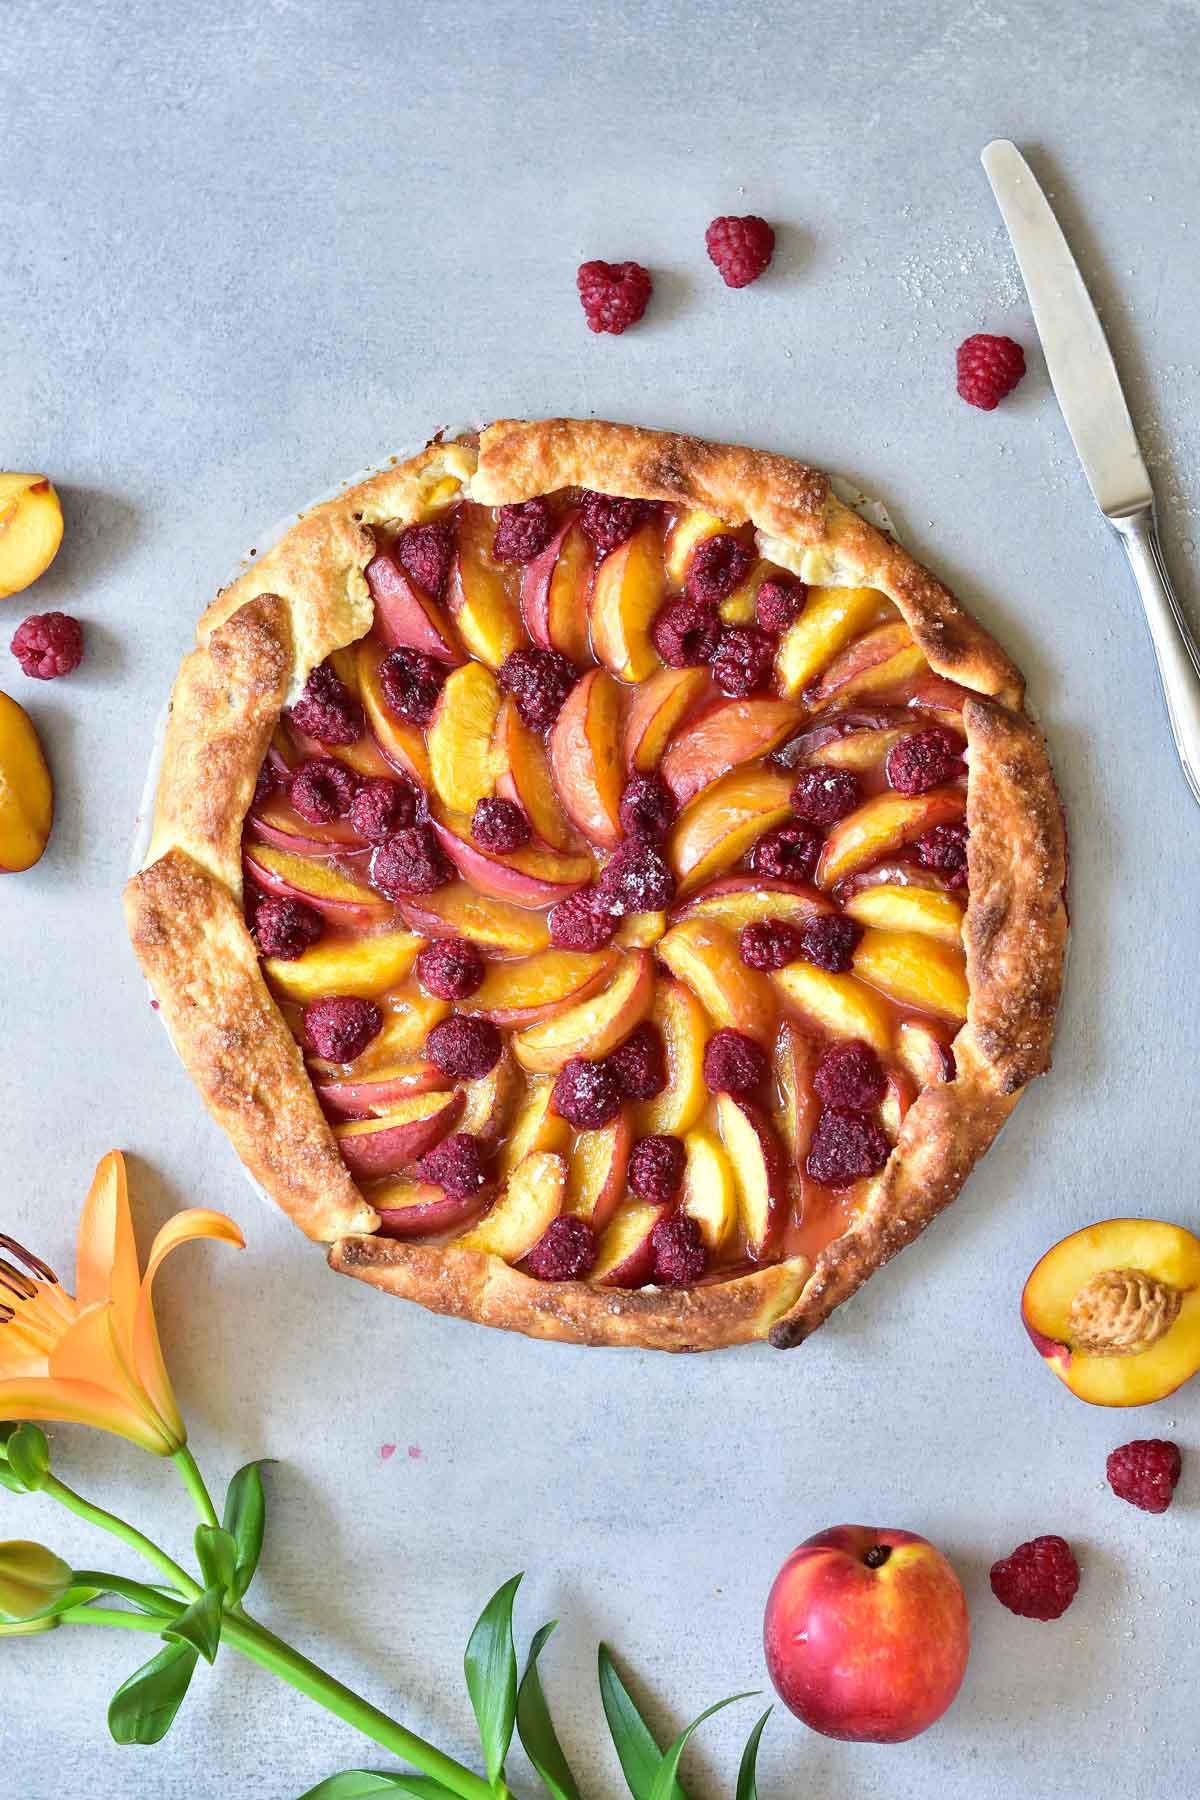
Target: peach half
pixel 31 527
pixel 26 790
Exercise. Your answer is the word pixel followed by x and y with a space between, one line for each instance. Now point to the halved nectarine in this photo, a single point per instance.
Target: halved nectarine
pixel 31 527
pixel 554 594
pixel 831 618
pixel 594 1026
pixel 26 790
pixel 585 757
pixel 461 759
pixel 626 593
pixel 721 738
pixel 721 824
pixel 656 709
pixel 531 1201
pixel 704 956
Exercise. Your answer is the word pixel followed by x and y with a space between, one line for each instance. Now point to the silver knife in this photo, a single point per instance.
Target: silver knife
pixel 1089 393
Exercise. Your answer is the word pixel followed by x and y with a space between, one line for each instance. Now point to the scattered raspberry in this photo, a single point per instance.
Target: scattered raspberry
pixel 646 808
pixel 426 552
pixel 613 295
pixel 611 521
pixel 322 789
pixel 769 944
pixel 327 710
pixel 686 632
pixel 286 928
pixel 789 853
pixel 565 1251
pixel 450 969
pixel 464 1049
pixel 581 923
pixel 539 681
pixel 411 683
pixel 944 848
pixel 522 531
pixel 1145 1472
pixel 587 1094
pixel 383 807
pixel 822 796
pixel 733 1063
pixel 1039 1580
pixel 455 1165
pixel 716 566
pixel 48 645
pixel 924 761
pixel 499 825
pixel 779 603
pixel 743 660
pixel 640 1063
pixel 656 1167
pixel 830 942
pixel 635 879
pixel 409 863
pixel 679 1254
pixel 845 1147
pixel 988 368
pixel 265 783
pixel 740 248
pixel 850 1076
pixel 340 1027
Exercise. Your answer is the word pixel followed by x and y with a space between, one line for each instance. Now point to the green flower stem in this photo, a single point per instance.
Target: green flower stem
pixel 179 1578
pixel 110 1615
pixel 193 1481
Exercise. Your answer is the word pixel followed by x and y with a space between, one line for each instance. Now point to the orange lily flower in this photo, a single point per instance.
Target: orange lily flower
pixel 95 1359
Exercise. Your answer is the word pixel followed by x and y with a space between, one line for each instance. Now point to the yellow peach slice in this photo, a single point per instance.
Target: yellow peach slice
pixel 31 527
pixel 536 1127
pixel 529 987
pixel 914 969
pixel 720 824
pixel 626 594
pixel 640 931
pixel 529 1204
pixel 689 529
pixel 704 955
pixel 409 1015
pixel 364 966
pixel 709 1193
pixel 26 790
pixel 839 1004
pixel 896 908
pixel 523 775
pixel 477 595
pixel 655 711
pixel 401 743
pixel 322 885
pixel 832 617
pixel 879 826
pixel 595 1026
pixel 685 1030
pixel 597 1164
pixel 489 1102
pixel 585 757
pixel 460 738
pixel 722 738
pixel 625 1255
pixel 745 900
pixel 876 663
pixel 383 1146
pixel 457 911
pixel 740 607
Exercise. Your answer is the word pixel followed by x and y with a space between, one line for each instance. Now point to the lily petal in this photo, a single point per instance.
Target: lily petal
pixel 148 1365
pixel 79 1403
pixel 89 1352
pixel 106 1264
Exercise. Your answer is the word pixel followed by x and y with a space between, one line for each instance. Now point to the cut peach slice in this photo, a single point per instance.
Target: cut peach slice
pixel 383 1089
pixel 457 911
pixel 795 1059
pixel 409 1015
pixel 477 597
pixel 840 1004
pixel 640 931
pixel 626 594
pixel 461 760
pixel 490 1101
pixel 536 1127
pixel 625 1256
pixel 26 790
pixel 689 529
pixel 363 966
pixel 721 738
pixel 704 955
pixel 831 618
pixel 401 743
pixel 523 775
pixel 554 594
pixel 740 607
pixel 585 757
pixel 405 617
pixel 897 1099
pixel 595 1026
pixel 879 826
pixel 334 894
pixel 914 969
pixel 709 1192
pixel 1115 1310
pixel 364 757
pixel 924 1053
pixel 862 750
pixel 415 1209
pixel 529 1204
pixel 877 663
pixel 530 988
pixel 745 899
pixel 685 1030
pixel 721 824
pixel 655 711
pixel 531 877
pixel 895 908
pixel 31 527
pixel 758 1170
pixel 596 1178
pixel 383 1146
pixel 275 823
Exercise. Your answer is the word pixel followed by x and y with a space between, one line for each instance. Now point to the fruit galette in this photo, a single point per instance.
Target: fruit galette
pixel 603 886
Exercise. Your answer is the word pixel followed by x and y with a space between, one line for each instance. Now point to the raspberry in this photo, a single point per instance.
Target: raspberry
pixel 656 1168
pixel 635 879
pixel 716 566
pixel 464 1049
pixel 1039 1580
pixel 743 660
pixel 686 632
pixel 850 1076
pixel 411 683
pixel 522 531
pixel 740 248
pixel 48 645
pixel 733 1063
pixel 789 853
pixel 944 848
pixel 426 552
pixel 327 710
pixel 383 807
pixel 988 368
pixel 1145 1472
pixel 613 295
pixel 286 928
pixel 587 1094
pixel 610 520
pixel 455 1165
pixel 829 942
pixel 409 863
pixel 845 1147
pixel 565 1251
pixel 779 603
pixel 265 783
pixel 646 808
pixel 640 1063
pixel 340 1027
pixel 450 969
pixel 924 761
pixel 769 944
pixel 679 1254
pixel 581 923
pixel 539 681
pixel 322 789
pixel 499 825
pixel 822 796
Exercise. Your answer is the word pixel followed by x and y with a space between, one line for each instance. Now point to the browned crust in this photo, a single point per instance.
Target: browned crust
pixel 308 597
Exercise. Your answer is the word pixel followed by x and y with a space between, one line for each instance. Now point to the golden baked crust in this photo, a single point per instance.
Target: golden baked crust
pixel 307 598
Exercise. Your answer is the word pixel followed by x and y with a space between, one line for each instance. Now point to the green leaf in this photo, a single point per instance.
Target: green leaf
pixel 28 1456
pixel 245 1519
pixel 536 1728
pixel 143 1708
pixel 664 1782
pixel 33 1580
pixel 747 1786
pixel 150 1599
pixel 491 1669
pixel 216 1553
pixel 636 1744
pixel 200 1624
pixel 361 1784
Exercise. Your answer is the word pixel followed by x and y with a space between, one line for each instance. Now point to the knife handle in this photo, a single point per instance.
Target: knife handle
pixel 1175 649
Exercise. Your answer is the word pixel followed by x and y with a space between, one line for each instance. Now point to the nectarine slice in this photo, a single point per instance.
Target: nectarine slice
pixel 406 617
pixel 585 757
pixel 860 750
pixel 740 607
pixel 554 594
pixel 595 1026
pixel 704 955
pixel 831 618
pixel 726 735
pixel 878 662
pixel 523 775
pixel 319 883
pixel 31 527
pixel 689 529
pixel 364 966
pixel 457 911
pixel 528 988
pixel 720 824
pixel 625 1255
pixel 414 1209
pixel 536 1127
pixel 383 1146
pixel 709 1192
pixel 489 1102
pixel 640 931
pixel 685 1030
pixel 401 742
pixel 914 969
pixel 840 1004
pixel 596 1171
pixel 26 790
pixel 796 1057
pixel 384 1087
pixel 477 598
pixel 923 1052
pixel 532 876
pixel 758 1170
pixel 409 1015
pixel 879 826
pixel 626 593
pixel 531 1202
pixel 655 711
pixel 746 899
pixel 895 908
pixel 460 737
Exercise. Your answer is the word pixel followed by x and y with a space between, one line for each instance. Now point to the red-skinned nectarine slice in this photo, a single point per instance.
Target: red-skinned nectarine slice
pixel 721 824
pixel 595 1026
pixel 625 1255
pixel 831 618
pixel 709 1191
pixel 879 826
pixel 523 775
pixel 405 617
pixel 524 989
pixel 457 911
pixel 364 966
pixel 596 1177
pixel 529 1204
pixel 626 593
pixel 879 662
pixel 533 876
pixel 401 743
pixel 721 738
pixel 655 711
pixel 385 1145
pixel 554 594
pixel 685 1030
pixel 485 615
pixel 897 907
pixel 585 757
pixel 704 956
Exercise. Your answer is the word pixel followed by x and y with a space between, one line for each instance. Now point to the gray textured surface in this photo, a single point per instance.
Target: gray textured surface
pixel 248 253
